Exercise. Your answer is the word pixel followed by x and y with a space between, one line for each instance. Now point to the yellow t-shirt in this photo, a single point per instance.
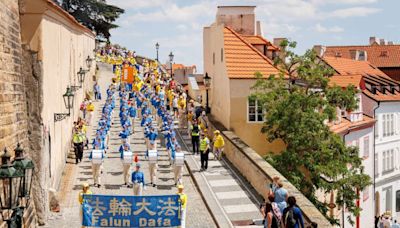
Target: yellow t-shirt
pixel 183 199
pixel 80 198
pixel 219 141
pixel 182 103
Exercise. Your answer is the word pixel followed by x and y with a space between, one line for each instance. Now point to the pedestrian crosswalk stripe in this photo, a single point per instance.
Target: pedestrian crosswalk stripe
pixel 240 208
pixel 221 183
pixel 231 195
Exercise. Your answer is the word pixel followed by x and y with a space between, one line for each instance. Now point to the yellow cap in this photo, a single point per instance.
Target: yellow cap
pixel 217 132
pixel 85 185
pixel 180 186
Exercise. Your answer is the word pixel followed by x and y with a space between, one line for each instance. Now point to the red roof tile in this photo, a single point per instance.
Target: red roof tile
pixel 378 55
pixel 242 59
pixel 346 125
pixel 348 66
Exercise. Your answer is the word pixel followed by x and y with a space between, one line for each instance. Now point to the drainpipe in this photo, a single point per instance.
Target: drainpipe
pixel 374 160
pixel 343 220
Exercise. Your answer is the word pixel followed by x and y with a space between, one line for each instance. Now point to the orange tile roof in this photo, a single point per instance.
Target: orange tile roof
pixel 346 125
pixel 348 66
pixel 259 40
pixel 345 80
pixel 177 66
pixel 242 59
pixel 370 75
pixel 379 55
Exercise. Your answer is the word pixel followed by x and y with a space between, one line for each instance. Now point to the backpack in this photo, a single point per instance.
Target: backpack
pixel 290 219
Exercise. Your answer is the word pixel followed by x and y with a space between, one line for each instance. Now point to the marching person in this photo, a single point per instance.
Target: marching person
pixel 127 159
pixel 85 191
pixel 178 160
pixel 97 158
pixel 204 150
pixel 138 181
pixel 219 144
pixel 183 202
pixel 153 164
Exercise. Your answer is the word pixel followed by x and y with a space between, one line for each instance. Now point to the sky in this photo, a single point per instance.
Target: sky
pixel 177 25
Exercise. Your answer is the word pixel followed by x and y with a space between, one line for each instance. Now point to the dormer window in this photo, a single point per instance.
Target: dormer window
pixel 338 54
pixel 373 89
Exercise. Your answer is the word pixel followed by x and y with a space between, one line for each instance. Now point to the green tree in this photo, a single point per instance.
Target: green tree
pixel 298 102
pixel 97 15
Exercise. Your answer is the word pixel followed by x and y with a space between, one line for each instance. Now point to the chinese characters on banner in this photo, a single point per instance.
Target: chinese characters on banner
pixel 131 211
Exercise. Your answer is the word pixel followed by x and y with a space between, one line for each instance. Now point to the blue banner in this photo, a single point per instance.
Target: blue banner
pixel 131 211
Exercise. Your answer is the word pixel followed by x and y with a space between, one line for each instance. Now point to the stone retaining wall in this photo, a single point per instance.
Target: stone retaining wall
pixel 260 173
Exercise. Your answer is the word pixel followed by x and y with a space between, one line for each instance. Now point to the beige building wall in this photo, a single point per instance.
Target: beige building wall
pixel 65 50
pixel 216 69
pixel 249 132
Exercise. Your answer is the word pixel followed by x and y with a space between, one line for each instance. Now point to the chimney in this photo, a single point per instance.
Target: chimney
pixel 382 42
pixel 259 31
pixel 277 41
pixel 320 50
pixel 242 19
pixel 372 40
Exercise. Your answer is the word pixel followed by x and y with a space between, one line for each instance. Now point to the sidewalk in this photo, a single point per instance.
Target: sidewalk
pixel 231 199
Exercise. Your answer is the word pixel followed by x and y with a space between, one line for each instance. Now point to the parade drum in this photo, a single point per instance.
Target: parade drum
pixel 127 157
pixel 179 158
pixel 152 156
pixel 97 156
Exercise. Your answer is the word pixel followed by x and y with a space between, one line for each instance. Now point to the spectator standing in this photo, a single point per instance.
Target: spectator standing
pixel 279 193
pixel 204 150
pixel 96 89
pixel 292 216
pixel 219 145
pixel 89 112
pixel 270 220
pixel 195 131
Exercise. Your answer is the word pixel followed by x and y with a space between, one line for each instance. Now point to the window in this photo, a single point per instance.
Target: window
pixel 376 165
pixel 377 127
pixel 397 201
pixel 388 160
pixel 388 199
pixel 222 54
pixel 366 194
pixel 366 146
pixel 213 58
pixel 384 125
pixel 255 111
pixel 388 124
pixel 384 161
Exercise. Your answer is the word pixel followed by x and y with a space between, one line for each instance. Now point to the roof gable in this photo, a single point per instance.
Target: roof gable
pixel 242 59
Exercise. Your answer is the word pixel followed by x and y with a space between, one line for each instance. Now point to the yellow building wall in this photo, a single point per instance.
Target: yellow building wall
pixel 249 132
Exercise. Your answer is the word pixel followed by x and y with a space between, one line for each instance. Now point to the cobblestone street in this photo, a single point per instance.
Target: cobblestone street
pixel 112 180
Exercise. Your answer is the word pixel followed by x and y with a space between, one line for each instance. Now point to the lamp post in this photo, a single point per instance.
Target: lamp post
pixel 157 47
pixel 68 102
pixel 81 76
pixel 89 62
pixel 171 59
pixel 10 179
pixel 26 166
pixel 207 83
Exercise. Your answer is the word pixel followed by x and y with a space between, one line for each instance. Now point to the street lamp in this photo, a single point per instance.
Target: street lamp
pixel 68 102
pixel 207 83
pixel 157 47
pixel 81 76
pixel 10 179
pixel 26 166
pixel 89 62
pixel 171 59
